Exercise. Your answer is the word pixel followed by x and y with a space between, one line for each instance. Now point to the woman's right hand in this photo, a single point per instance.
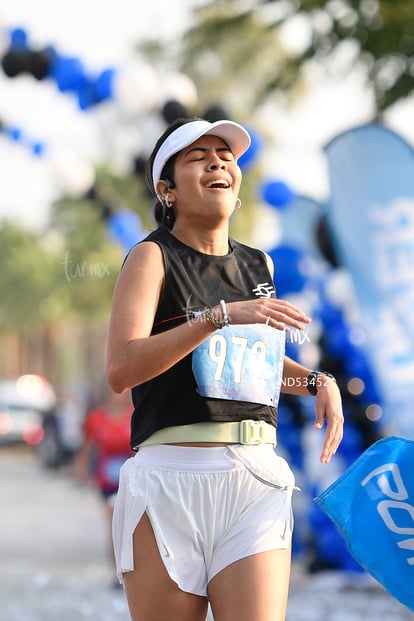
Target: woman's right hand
pixel 279 314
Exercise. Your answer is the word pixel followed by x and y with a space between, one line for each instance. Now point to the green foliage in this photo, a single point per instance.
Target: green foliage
pixel 61 273
pixel 89 261
pixel 236 46
pixel 70 269
pixel 28 278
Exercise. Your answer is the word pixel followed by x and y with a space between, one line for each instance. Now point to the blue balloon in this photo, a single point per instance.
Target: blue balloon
pixel 68 73
pixel 104 84
pixel 351 446
pixel 277 194
pixel 331 316
pixel 86 94
pixel 38 148
pixel 290 269
pixel 15 133
pixel 338 341
pixel 125 228
pixel 18 39
pixel 252 152
pixel 357 365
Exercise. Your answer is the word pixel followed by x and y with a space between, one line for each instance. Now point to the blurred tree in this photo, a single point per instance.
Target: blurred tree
pixel 91 259
pixel 249 50
pixel 55 294
pixel 28 278
pixel 30 299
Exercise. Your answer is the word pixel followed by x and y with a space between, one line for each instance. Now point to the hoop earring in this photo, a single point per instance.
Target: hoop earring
pixel 237 204
pixel 167 202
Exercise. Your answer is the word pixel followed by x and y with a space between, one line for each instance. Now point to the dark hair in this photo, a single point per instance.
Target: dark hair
pixel 163 216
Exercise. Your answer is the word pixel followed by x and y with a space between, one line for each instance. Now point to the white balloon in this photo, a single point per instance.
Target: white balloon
pixel 74 174
pixel 127 139
pixel 339 287
pixel 136 87
pixel 180 87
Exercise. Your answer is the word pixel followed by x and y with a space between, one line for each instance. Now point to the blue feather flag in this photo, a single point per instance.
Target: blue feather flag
pixel 371 216
pixel 372 504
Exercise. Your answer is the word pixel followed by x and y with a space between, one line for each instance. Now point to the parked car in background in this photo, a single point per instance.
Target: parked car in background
pixel 24 404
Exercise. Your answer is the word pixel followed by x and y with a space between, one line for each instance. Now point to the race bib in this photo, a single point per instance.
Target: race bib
pixel 242 363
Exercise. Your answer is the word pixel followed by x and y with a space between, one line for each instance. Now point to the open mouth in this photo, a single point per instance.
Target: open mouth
pixel 219 184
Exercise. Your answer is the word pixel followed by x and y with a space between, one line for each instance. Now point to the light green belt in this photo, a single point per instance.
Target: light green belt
pixel 243 432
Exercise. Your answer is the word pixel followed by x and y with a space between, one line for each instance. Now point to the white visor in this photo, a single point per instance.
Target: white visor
pixel 232 133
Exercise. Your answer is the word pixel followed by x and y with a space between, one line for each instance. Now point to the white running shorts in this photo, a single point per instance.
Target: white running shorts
pixel 206 507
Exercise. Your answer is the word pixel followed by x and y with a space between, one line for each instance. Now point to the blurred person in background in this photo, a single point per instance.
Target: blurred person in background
pixel 105 447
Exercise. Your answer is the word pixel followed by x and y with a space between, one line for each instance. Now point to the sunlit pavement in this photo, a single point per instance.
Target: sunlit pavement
pixel 55 564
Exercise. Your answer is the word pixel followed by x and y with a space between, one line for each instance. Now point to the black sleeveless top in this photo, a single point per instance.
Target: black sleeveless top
pixel 194 280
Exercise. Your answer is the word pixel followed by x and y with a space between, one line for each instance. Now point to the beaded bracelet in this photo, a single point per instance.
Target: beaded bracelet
pixel 211 318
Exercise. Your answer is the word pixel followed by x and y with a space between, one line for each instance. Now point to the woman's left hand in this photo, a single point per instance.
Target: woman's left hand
pixel 328 406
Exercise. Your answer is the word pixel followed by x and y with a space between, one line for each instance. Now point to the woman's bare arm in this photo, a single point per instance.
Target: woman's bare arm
pixel 133 355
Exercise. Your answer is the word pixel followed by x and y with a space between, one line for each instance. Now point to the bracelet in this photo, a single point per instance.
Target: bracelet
pixel 225 315
pixel 312 381
pixel 210 317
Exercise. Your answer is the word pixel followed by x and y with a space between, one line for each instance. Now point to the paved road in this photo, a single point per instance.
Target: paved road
pixel 54 561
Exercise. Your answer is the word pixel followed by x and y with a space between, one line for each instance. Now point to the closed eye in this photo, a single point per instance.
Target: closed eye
pixel 197 154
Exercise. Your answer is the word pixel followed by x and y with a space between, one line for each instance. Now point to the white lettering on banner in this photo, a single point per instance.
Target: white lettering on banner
pixel 393 487
pixel 393 240
pixel 392 232
pixel 383 509
pixel 395 359
pixel 407 544
pixel 401 300
pixel 400 492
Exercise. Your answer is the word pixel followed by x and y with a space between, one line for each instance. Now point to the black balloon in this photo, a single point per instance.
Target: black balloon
pixel 140 165
pixel 173 110
pixel 215 112
pixel 15 62
pixel 39 64
pixel 91 194
pixel 36 63
pixel 105 211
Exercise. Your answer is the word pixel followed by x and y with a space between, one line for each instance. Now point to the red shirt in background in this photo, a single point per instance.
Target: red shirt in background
pixel 109 434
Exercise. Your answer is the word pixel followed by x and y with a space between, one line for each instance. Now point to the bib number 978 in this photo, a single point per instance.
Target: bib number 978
pixel 218 351
pixel 241 362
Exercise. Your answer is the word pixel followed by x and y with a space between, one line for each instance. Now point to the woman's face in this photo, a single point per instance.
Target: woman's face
pixel 207 179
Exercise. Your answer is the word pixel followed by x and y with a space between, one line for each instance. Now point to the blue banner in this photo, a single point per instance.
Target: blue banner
pixel 372 504
pixel 371 215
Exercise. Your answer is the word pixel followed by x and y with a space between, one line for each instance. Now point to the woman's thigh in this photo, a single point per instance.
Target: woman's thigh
pixel 151 594
pixel 254 588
